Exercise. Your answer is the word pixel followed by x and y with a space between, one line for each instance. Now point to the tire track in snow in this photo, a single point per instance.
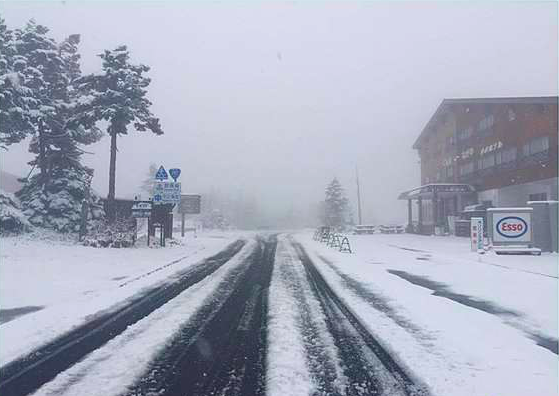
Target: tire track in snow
pixel 28 373
pixel 117 364
pixel 370 368
pixel 325 368
pixel 379 302
pixel 222 350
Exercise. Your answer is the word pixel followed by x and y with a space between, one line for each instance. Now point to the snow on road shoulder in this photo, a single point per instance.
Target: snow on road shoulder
pixel 287 367
pixel 72 283
pixel 110 369
pixel 524 288
pixel 454 349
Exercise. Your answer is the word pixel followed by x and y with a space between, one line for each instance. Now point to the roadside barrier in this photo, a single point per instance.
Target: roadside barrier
pixel 332 239
pixel 335 241
pixel 344 246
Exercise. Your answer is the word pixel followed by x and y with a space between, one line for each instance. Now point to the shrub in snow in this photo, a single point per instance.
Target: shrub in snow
pixel 118 234
pixel 57 204
pixel 12 219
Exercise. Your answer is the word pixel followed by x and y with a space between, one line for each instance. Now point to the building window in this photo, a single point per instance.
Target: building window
pixel 486 123
pixel 486 161
pixel 449 171
pixel 538 197
pixel 465 134
pixel 511 115
pixel 467 168
pixel 535 146
pixel 506 159
pixel 509 155
pixel 450 141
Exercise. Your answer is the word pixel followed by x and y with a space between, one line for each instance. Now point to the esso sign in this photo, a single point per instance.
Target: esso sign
pixel 511 227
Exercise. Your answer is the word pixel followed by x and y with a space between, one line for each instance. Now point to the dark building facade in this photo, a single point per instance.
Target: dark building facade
pixel 503 149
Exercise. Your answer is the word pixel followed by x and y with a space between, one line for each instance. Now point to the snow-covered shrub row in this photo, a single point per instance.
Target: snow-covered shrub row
pixel 12 219
pixel 119 234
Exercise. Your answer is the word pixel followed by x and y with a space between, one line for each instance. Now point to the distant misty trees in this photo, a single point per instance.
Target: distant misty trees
pixel 335 211
pixel 148 185
pixel 43 96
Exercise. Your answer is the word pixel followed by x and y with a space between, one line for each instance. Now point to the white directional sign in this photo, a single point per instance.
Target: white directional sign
pixel 167 192
pixel 141 209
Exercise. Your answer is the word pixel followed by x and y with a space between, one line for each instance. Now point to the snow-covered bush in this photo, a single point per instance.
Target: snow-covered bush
pixel 12 219
pixel 57 204
pixel 118 234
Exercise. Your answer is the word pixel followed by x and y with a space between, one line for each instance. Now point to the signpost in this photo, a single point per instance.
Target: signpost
pixel 166 192
pixel 476 234
pixel 166 195
pixel 141 209
pixel 189 204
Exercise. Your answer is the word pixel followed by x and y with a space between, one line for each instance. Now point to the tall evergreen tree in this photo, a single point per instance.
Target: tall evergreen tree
pixel 335 205
pixel 120 98
pixel 17 103
pixel 63 122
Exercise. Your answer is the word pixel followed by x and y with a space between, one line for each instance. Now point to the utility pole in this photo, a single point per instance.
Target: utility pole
pixel 358 196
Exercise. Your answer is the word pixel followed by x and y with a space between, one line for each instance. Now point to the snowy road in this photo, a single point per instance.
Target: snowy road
pixel 269 316
pixel 31 371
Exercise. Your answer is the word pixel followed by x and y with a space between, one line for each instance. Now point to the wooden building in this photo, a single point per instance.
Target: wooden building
pixel 493 151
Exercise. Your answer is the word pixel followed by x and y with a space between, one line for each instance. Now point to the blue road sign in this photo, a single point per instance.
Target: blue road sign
pixel 161 174
pixel 175 173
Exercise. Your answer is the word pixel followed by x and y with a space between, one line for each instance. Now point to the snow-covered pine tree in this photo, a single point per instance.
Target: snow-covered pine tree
pixel 149 182
pixel 120 98
pixel 335 205
pixel 17 104
pixel 53 198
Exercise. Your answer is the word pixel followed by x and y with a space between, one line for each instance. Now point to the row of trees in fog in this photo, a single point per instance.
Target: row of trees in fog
pixel 45 96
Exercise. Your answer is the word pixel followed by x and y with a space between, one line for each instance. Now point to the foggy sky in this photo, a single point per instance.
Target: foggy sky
pixel 273 100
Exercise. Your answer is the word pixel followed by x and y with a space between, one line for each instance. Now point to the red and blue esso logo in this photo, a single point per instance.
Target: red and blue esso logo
pixel 512 227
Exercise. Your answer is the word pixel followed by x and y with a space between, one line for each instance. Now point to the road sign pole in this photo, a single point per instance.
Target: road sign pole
pixel 182 225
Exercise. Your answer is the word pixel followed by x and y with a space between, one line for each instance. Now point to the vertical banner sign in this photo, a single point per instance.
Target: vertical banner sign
pixel 476 233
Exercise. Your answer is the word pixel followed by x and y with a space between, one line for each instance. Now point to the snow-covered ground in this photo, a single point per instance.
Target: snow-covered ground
pixel 464 324
pixel 63 284
pixel 108 373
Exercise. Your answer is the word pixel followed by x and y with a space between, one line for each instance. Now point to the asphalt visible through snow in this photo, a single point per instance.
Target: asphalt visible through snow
pixel 221 351
pixel 222 348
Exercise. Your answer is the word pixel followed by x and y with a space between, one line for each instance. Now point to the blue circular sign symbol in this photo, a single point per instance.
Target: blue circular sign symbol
pixel 512 227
